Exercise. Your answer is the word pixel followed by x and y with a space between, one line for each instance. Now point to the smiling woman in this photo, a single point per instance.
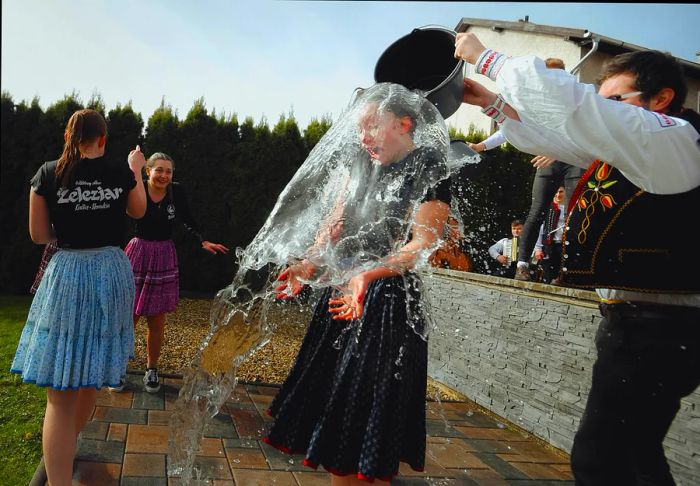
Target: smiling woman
pixel 154 259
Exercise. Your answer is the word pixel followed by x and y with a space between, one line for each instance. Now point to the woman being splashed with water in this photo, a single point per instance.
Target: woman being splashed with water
pixel 354 402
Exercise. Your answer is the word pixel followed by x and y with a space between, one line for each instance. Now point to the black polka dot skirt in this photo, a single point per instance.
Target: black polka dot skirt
pixel 354 401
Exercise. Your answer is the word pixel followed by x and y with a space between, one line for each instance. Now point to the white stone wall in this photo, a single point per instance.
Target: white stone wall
pixel 525 351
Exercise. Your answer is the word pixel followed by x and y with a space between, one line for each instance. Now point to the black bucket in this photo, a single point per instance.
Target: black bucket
pixel 424 60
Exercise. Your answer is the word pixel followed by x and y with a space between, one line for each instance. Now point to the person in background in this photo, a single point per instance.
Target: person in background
pixel 551 173
pixel 78 336
pixel 453 253
pixel 548 247
pixel 641 149
pixel 154 259
pixel 505 251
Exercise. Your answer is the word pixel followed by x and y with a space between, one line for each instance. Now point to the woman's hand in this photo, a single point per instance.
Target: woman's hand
pixel 214 248
pixel 539 254
pixel 291 285
pixel 351 305
pixel 136 160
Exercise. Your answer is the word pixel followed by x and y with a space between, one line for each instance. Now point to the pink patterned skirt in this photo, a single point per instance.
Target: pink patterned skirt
pixel 155 274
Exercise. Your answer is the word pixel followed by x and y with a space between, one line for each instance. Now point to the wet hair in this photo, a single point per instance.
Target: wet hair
pixel 652 71
pixel 516 222
pixel 394 101
pixel 84 127
pixel 159 156
pixel 554 63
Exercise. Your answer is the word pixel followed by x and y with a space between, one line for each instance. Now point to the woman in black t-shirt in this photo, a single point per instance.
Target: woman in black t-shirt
pixel 78 336
pixel 154 260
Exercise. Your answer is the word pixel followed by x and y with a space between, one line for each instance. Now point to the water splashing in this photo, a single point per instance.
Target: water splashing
pixel 350 208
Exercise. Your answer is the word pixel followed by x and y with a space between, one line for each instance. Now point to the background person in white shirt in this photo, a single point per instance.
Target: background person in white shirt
pixel 502 251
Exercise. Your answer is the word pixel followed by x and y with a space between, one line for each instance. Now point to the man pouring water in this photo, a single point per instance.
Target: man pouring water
pixel 643 159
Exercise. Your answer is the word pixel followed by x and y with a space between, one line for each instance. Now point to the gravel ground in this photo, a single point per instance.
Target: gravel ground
pixel 186 328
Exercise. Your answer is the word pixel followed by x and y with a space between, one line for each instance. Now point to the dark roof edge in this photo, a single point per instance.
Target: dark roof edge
pixel 579 36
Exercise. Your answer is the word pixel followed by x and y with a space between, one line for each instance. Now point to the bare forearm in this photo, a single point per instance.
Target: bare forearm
pixel 136 203
pixel 40 228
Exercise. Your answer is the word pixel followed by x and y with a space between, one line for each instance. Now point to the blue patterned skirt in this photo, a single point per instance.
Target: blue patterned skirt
pixel 79 331
pixel 354 401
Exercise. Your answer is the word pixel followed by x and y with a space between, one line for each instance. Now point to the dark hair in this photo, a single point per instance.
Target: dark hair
pixel 554 63
pixel 516 222
pixel 653 71
pixel 84 126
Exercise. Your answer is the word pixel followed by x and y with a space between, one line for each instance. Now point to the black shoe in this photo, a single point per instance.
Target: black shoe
pixel 120 387
pixel 151 381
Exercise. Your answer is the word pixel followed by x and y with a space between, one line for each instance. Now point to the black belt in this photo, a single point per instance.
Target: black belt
pixel 642 310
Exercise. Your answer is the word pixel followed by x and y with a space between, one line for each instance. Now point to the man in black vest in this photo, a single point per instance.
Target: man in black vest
pixel 621 237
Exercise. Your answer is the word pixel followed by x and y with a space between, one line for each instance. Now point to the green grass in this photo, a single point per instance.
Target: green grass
pixel 22 406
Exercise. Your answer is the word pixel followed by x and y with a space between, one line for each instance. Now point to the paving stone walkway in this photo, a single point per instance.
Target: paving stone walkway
pixel 126 444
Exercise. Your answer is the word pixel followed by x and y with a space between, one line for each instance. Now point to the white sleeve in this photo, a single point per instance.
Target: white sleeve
pixel 568 120
pixel 496 249
pixel 540 238
pixel 496 139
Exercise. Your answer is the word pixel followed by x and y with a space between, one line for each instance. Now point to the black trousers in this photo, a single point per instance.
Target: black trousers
pixel 552 264
pixel 648 359
pixel 544 187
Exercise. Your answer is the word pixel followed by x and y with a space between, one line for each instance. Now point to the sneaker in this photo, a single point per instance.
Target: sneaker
pixel 522 273
pixel 151 381
pixel 120 387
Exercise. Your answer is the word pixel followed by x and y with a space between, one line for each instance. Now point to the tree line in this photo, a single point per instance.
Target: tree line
pixel 233 172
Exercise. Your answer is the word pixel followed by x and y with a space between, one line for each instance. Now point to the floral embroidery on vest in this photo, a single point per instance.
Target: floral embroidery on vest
pixel 593 195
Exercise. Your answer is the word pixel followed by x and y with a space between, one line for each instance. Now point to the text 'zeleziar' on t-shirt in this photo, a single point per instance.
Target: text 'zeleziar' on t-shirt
pixel 89 212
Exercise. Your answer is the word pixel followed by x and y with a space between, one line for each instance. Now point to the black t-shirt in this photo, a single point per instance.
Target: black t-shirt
pixel 159 221
pixel 376 221
pixel 91 211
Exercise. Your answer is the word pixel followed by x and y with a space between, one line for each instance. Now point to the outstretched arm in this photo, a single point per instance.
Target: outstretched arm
pixel 427 228
pixel 563 118
pixel 293 277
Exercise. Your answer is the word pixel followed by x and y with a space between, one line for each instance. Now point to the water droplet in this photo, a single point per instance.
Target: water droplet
pixel 397 376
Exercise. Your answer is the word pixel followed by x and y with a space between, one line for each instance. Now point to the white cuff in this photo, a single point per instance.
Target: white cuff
pixel 496 109
pixel 490 63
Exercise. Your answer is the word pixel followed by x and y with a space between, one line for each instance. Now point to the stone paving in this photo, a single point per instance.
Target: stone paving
pixel 126 443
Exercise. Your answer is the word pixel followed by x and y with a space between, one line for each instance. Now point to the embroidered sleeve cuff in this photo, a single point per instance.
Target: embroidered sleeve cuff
pixel 490 63
pixel 496 110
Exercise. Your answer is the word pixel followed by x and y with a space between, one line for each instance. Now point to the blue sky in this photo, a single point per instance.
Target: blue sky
pixel 263 58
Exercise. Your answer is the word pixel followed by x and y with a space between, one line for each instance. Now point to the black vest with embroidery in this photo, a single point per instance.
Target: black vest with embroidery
pixel 621 237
